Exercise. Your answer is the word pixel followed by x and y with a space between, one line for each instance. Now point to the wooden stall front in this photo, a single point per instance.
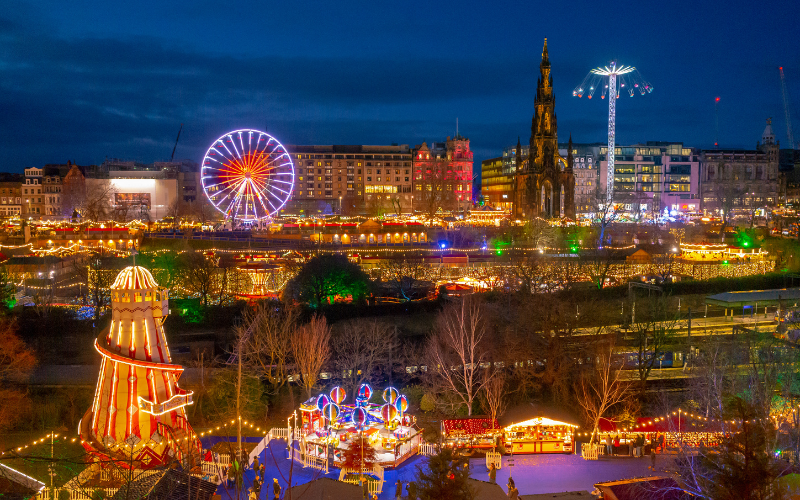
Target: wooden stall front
pixel 540 435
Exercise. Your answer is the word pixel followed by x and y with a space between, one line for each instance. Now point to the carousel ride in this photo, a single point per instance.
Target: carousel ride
pixel 330 425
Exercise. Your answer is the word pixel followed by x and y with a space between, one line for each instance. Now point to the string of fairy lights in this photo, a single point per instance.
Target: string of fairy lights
pixel 680 413
pixel 45 439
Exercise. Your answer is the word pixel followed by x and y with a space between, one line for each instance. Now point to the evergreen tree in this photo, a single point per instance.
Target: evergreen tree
pixel 445 477
pixel 326 277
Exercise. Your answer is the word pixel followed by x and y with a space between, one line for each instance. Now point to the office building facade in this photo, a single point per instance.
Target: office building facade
pixel 651 177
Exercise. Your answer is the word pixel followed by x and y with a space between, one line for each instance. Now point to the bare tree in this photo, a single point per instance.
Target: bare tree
pixel 199 274
pixel 601 389
pixel 310 348
pixel 456 351
pixel 361 348
pixel 376 206
pixel 607 213
pixel 598 264
pixel 652 334
pixel 538 233
pixel 494 394
pixel 96 204
pixel 534 272
pixel 269 344
pixel 405 276
pixel 98 275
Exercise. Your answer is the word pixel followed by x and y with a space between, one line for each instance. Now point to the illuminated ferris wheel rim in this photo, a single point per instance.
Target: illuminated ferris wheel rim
pixel 247 175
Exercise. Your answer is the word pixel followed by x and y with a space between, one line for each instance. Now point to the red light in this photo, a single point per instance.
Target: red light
pixel 780 68
pixel 717 99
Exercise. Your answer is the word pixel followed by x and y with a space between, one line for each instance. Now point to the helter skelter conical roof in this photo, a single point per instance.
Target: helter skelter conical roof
pixel 134 278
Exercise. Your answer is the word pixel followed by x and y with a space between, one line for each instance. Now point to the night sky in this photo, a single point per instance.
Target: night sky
pixel 83 81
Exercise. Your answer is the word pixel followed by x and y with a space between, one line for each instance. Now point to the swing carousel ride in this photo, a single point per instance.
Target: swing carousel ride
pixel 329 425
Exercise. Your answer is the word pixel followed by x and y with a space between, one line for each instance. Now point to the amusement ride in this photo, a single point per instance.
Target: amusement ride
pixel 248 176
pixel 612 80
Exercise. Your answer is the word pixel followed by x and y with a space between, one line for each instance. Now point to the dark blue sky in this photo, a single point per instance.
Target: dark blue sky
pixel 86 80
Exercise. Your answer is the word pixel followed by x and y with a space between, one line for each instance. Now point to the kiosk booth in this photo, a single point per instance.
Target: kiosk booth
pixel 540 435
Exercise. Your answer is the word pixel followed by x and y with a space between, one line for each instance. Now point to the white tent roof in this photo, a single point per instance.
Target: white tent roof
pixel 540 421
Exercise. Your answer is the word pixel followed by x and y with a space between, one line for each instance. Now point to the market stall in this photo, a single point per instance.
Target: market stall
pixel 540 435
pixel 329 426
pixel 472 433
pixel 670 431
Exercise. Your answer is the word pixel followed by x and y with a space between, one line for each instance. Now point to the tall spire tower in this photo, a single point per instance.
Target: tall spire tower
pixel 545 183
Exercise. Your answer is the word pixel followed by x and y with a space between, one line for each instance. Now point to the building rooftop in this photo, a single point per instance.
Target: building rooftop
pixel 752 297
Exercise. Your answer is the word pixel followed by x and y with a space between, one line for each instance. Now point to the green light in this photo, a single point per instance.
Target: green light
pixel 499 252
pixel 725 262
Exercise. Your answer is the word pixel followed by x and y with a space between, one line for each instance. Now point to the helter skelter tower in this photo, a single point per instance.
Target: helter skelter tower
pixel 607 79
pixel 138 419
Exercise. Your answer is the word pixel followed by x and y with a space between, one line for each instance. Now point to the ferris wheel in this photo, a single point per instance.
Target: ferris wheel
pixel 247 175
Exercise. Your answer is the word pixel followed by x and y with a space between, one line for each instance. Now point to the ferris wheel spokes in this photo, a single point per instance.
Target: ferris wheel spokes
pixel 249 181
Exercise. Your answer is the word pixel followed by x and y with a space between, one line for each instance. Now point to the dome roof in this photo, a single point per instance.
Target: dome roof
pixel 134 278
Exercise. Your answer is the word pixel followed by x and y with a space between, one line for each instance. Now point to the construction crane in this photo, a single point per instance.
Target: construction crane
pixel 716 123
pixel 179 137
pixel 786 108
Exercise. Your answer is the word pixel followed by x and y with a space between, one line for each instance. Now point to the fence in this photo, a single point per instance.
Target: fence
pixel 261 446
pixel 73 494
pixel 279 433
pixel 352 476
pixel 410 446
pixel 427 449
pixel 319 463
pixel 590 451
pixel 493 457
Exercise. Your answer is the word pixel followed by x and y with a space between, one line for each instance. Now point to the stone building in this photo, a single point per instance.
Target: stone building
pixel 11 194
pixel 346 178
pixel 736 182
pixel 32 197
pixel 545 184
pixel 52 188
pixel 443 175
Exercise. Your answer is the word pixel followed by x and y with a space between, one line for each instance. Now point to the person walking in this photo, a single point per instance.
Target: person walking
pixel 257 487
pixel 262 469
pixel 493 474
pixel 609 441
pixel 652 458
pixel 276 488
pixel 364 489
pixel 255 465
pixel 513 493
pixel 411 488
pixel 661 443
pixel 398 490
